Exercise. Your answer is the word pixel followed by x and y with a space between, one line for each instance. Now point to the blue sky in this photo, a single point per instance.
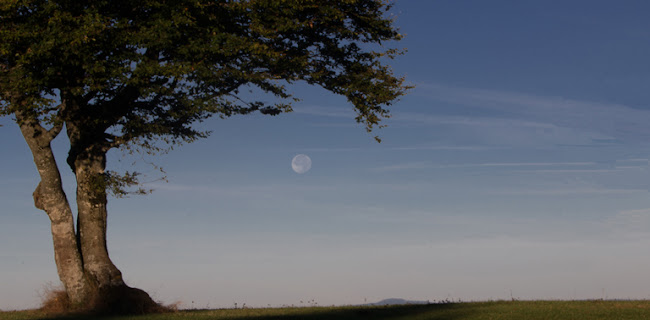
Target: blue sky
pixel 517 167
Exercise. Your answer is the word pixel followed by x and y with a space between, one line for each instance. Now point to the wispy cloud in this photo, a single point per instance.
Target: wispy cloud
pixel 404 166
pixel 632 223
pixel 484 121
pixel 448 147
pixel 336 112
pixel 632 163
pixel 535 164
pixel 568 171
pixel 636 214
pixel 432 165
pixel 246 191
pixel 568 191
pixel 325 149
pixel 496 131
pixel 503 108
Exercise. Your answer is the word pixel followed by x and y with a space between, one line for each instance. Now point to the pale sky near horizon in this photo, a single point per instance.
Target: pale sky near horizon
pixel 517 168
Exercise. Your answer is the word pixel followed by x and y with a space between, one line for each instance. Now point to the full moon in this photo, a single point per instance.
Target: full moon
pixel 301 163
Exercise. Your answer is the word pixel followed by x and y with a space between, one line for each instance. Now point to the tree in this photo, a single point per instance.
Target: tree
pixel 118 73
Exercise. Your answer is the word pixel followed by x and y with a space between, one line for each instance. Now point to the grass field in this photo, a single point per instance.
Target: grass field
pixel 530 310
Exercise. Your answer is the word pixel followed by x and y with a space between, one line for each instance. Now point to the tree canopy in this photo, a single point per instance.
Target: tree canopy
pixel 137 71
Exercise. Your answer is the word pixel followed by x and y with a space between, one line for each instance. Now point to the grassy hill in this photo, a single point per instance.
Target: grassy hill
pixel 503 310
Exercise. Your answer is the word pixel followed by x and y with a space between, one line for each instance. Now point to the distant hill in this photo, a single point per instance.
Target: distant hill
pixel 394 301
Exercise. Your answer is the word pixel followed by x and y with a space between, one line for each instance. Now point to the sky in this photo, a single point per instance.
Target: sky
pixel 516 168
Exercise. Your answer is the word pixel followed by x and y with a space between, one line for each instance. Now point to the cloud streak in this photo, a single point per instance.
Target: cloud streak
pixel 568 191
pixel 431 165
pixel 513 109
pixel 447 147
pixel 334 112
pixel 632 224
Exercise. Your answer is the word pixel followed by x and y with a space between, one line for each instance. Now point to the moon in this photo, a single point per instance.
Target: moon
pixel 301 163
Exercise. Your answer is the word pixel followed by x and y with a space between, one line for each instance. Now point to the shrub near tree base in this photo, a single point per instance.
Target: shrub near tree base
pixel 56 302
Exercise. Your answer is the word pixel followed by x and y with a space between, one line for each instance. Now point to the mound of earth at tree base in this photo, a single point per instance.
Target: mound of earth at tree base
pixel 125 300
pixel 116 300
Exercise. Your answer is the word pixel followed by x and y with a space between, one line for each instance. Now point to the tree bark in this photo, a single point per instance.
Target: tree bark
pixel 50 197
pixel 87 159
pixel 92 221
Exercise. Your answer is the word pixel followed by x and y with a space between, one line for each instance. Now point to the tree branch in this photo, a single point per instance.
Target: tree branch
pixel 54 131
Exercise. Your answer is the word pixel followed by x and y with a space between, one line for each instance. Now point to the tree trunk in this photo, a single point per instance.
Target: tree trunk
pixel 92 220
pixel 91 280
pixel 50 197
pixel 110 293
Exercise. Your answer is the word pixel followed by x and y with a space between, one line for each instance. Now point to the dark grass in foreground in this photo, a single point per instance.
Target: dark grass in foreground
pixel 530 310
